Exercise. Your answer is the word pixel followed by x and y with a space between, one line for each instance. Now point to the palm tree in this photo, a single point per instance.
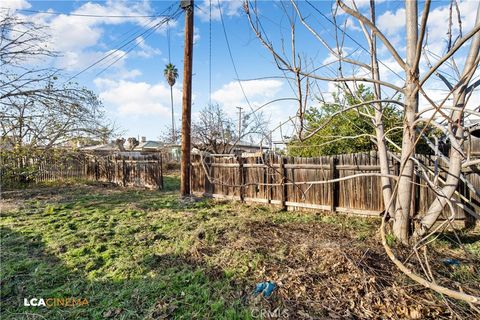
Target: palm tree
pixel 171 75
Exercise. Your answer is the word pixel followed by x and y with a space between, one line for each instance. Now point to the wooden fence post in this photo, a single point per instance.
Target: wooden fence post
pixel 333 185
pixel 207 186
pixel 241 178
pixel 160 164
pixel 284 193
pixel 270 171
pixel 96 169
pixel 124 171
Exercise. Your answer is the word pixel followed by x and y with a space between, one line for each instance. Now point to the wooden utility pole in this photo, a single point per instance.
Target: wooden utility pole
pixel 187 5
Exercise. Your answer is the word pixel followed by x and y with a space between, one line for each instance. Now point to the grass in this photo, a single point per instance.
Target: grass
pixel 122 250
pixel 140 254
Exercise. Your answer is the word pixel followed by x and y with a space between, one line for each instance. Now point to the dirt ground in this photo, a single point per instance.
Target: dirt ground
pixel 328 271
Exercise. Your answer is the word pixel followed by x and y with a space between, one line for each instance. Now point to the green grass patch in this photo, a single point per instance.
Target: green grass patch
pixel 148 254
pixel 126 251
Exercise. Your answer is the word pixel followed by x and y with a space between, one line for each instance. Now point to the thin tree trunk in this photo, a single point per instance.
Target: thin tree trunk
pixel 456 157
pixel 174 138
pixel 379 125
pixel 405 183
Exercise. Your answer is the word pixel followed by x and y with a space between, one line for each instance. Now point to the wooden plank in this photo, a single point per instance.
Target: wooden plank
pixel 241 178
pixel 284 191
pixel 333 186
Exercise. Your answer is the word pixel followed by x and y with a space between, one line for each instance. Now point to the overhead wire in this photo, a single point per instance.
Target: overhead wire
pixel 167 18
pixel 134 32
pixel 150 32
pixel 233 61
pixel 351 38
pixel 210 54
pixel 83 15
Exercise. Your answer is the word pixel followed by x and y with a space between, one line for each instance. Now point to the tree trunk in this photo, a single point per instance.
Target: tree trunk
pixel 404 197
pixel 378 122
pixel 174 138
pixel 456 157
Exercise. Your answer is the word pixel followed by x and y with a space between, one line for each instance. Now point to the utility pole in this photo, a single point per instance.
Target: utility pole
pixel 187 6
pixel 239 122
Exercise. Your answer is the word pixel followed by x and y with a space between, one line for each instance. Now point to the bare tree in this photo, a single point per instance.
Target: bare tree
pixel 349 69
pixel 132 143
pixel 36 107
pixel 167 135
pixel 215 132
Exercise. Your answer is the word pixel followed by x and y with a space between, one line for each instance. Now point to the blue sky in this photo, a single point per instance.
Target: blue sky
pixel 134 91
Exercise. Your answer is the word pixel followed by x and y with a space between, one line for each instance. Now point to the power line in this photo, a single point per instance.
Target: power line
pixel 210 53
pixel 150 32
pixel 233 61
pixel 350 37
pixel 84 15
pixel 126 44
pixel 135 32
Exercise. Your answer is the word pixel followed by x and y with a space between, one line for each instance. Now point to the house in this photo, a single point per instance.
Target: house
pixel 245 146
pixel 171 152
pixel 472 144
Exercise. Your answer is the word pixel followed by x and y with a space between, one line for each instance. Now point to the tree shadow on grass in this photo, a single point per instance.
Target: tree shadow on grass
pixel 172 287
pixel 466 238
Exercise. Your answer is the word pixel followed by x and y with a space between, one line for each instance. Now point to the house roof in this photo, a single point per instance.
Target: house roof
pixel 149 145
pixel 101 147
pixel 243 143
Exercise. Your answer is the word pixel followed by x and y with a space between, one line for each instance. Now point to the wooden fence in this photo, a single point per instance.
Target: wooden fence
pixel 139 171
pixel 294 182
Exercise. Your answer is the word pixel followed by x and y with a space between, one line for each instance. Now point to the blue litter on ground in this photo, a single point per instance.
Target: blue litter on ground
pixel 259 288
pixel 266 288
pixel 269 289
pixel 451 262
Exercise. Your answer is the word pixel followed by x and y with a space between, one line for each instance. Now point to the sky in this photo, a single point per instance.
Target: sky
pixel 130 82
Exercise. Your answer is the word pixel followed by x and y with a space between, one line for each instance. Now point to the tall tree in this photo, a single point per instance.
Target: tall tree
pixel 171 74
pixel 415 68
pixel 214 130
pixel 347 133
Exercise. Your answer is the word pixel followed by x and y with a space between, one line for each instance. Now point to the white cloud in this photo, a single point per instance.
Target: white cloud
pixel 78 38
pixel 438 22
pixel 16 4
pixel 352 24
pixel 196 35
pixel 340 52
pixel 127 74
pixel 145 51
pixel 137 98
pixel 259 92
pixel 360 4
pixel 391 22
pixel 229 8
pixel 390 71
pixel 231 96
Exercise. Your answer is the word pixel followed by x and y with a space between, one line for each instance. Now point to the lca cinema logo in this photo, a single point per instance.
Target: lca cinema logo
pixel 55 302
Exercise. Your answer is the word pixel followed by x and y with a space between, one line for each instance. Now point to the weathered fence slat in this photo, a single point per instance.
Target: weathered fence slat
pixel 140 171
pixel 271 179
